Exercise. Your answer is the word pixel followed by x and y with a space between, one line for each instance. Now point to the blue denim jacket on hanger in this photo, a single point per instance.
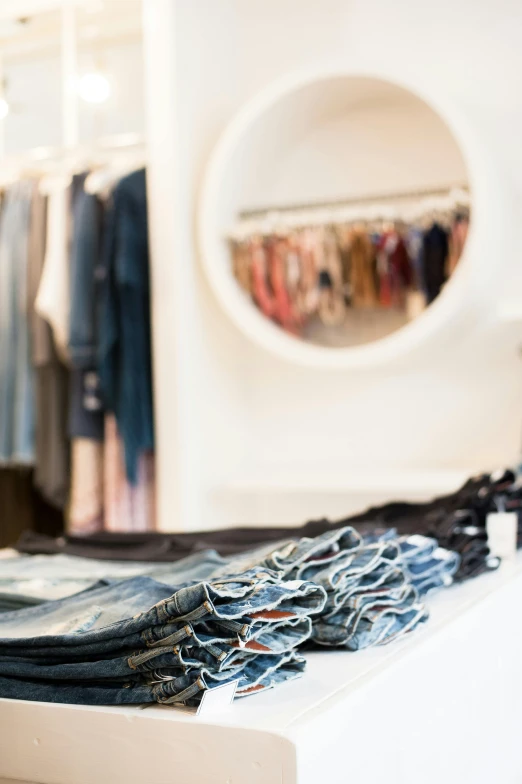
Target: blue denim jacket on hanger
pixel 86 413
pixel 124 359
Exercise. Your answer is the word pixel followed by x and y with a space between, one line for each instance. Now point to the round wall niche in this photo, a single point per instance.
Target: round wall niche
pixel 334 211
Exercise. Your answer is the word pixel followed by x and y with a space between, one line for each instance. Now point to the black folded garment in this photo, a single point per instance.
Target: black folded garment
pixel 457 521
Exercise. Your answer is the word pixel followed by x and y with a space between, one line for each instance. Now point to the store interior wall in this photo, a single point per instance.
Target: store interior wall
pixel 33 86
pixel 270 441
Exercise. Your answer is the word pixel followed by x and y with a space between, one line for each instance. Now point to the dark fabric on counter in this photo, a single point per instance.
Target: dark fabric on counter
pixel 457 521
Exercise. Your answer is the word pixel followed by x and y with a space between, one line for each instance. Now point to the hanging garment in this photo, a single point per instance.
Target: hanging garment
pixel 332 309
pixel 16 374
pixel 293 269
pixel 85 406
pixel 241 266
pixel 362 279
pixel 51 380
pixel 260 289
pixel 53 299
pixel 86 507
pixel 124 329
pixel 459 235
pixel 307 298
pixel 127 507
pixel 414 241
pixel 435 249
pixel 394 270
pixel 284 312
pixel 86 410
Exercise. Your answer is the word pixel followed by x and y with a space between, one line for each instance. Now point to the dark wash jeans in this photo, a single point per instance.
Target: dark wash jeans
pixel 259 674
pixel 141 603
pixel 242 627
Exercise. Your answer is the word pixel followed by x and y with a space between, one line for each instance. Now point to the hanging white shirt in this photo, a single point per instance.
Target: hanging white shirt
pixel 53 300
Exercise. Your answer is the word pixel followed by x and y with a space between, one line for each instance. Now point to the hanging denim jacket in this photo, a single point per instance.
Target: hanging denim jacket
pixel 124 349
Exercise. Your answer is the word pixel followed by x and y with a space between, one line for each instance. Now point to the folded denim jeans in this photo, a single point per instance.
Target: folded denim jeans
pixel 427 565
pixel 369 620
pixel 185 640
pixel 260 674
pixel 135 605
pixel 351 566
pixel 286 557
pixel 203 651
pixel 39 578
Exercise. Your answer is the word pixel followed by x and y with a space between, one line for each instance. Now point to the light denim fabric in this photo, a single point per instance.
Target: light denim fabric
pixel 16 374
pixel 370 596
pixel 40 578
pixel 375 618
pixel 243 605
pixel 189 639
pixel 287 556
pixel 163 686
pixel 428 566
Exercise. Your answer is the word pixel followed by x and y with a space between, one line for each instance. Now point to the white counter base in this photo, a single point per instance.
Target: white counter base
pixel 444 705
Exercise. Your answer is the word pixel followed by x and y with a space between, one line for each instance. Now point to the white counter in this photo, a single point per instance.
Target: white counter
pixel 444 705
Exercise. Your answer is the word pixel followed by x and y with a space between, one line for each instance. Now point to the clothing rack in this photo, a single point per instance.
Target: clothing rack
pixel 40 161
pixel 107 144
pixel 355 200
pixel 406 206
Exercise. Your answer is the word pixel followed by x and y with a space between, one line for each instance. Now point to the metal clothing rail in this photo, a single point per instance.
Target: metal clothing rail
pixel 260 212
pixel 110 144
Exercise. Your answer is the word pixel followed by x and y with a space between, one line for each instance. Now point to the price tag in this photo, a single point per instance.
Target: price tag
pixel 502 530
pixel 213 702
pixel 217 700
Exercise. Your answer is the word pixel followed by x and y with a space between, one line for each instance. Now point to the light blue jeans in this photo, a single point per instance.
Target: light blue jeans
pixel 16 376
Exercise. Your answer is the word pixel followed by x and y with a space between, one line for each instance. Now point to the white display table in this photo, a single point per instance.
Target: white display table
pixel 444 705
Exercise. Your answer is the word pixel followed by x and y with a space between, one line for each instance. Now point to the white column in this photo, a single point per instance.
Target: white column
pixel 2 95
pixel 69 54
pixel 170 387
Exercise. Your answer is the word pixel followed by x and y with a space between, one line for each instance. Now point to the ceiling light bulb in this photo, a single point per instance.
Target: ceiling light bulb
pixel 4 108
pixel 94 88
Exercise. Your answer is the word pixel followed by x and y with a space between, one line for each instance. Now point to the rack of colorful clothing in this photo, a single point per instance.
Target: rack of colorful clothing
pixel 75 347
pixel 325 261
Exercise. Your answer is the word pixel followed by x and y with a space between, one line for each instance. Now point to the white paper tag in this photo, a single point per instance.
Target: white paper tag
pixel 417 539
pixel 294 585
pixel 502 533
pixel 218 699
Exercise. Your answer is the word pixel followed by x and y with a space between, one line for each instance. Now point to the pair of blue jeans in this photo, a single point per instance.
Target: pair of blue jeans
pixel 428 566
pixel 370 597
pixel 35 579
pixel 259 674
pixel 140 640
pixel 16 374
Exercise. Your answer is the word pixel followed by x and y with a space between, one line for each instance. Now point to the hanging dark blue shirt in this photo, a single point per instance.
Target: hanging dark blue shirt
pixel 124 343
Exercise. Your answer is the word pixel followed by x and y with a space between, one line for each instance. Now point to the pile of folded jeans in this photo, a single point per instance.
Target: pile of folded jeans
pixel 373 585
pixel 177 629
pixel 142 641
pixel 31 580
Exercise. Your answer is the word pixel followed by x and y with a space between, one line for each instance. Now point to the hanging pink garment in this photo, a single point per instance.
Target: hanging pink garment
pixel 127 507
pixel 260 291
pixel 86 504
pixel 283 310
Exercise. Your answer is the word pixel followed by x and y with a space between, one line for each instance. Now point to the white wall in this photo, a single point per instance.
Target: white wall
pixel 33 89
pixel 392 144
pixel 263 440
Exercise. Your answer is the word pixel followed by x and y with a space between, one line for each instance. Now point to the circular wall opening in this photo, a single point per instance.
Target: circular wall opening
pixel 334 211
